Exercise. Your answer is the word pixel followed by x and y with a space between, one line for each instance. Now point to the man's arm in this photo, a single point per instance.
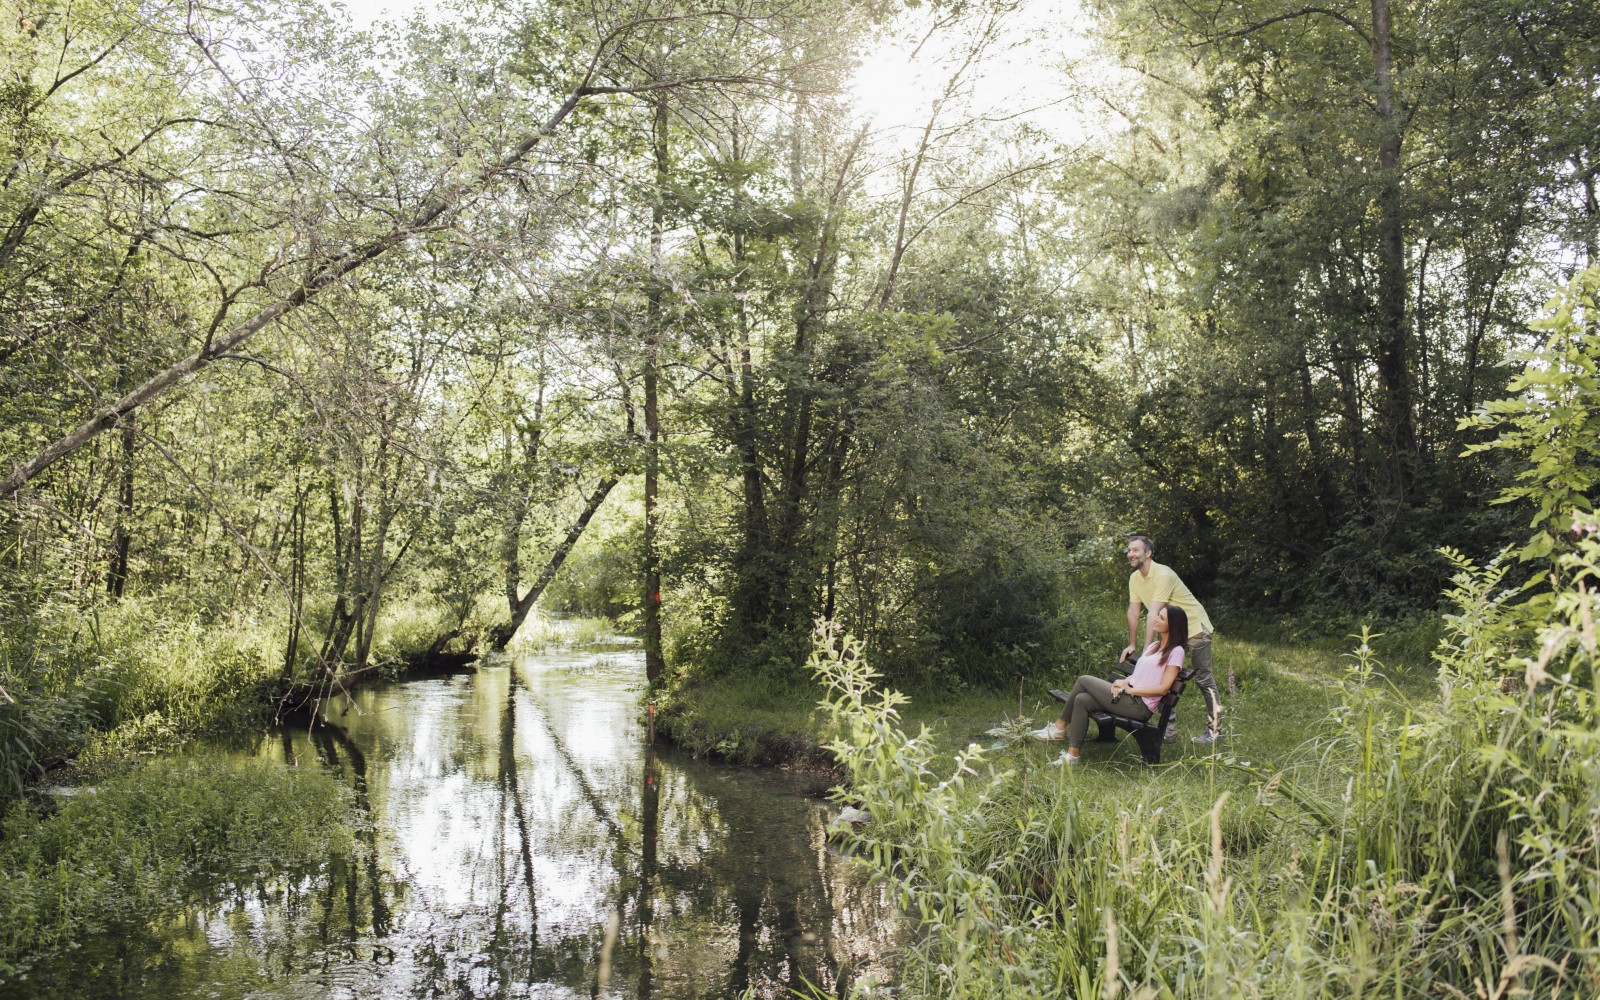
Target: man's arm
pixel 1134 608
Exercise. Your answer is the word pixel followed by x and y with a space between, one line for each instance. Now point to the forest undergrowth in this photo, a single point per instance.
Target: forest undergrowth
pixel 85 687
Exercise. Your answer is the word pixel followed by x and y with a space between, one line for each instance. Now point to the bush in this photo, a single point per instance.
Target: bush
pixel 407 629
pixel 124 678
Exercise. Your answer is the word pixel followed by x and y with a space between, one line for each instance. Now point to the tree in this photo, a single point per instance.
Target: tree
pixel 1348 253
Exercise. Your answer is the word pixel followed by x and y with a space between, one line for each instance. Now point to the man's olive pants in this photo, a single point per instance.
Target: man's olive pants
pixel 1198 656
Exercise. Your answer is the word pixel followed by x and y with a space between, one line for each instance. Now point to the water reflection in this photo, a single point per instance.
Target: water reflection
pixel 516 817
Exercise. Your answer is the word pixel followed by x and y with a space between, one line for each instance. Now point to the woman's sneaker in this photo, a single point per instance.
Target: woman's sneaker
pixel 1206 739
pixel 1049 732
pixel 1066 760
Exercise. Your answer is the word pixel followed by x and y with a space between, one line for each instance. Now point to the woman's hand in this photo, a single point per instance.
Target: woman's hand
pixel 1118 688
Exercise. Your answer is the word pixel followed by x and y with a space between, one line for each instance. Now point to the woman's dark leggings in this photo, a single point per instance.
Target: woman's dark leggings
pixel 1093 694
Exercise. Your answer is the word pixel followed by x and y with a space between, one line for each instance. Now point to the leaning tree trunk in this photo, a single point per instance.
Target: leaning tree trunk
pixel 501 635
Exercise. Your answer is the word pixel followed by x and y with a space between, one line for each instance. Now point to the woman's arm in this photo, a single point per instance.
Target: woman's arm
pixel 1168 676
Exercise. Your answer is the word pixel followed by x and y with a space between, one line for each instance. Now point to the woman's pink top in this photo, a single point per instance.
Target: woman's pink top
pixel 1147 672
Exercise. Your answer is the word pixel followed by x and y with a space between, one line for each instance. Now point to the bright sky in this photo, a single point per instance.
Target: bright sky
pixel 365 12
pixel 1019 76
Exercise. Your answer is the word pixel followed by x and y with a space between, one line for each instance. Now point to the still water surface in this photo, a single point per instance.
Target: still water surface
pixel 526 842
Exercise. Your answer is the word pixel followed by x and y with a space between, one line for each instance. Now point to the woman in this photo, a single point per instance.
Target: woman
pixel 1152 677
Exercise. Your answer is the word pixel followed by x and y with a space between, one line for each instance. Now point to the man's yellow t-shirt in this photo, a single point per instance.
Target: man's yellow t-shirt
pixel 1163 586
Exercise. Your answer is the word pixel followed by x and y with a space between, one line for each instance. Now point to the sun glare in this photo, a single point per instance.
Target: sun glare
pixel 891 86
pixel 1028 67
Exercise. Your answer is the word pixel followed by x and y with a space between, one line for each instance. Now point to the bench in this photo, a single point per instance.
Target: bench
pixel 1147 734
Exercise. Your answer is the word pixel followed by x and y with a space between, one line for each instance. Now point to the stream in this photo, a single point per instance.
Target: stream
pixel 525 841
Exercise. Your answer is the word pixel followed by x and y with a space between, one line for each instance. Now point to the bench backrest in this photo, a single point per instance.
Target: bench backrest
pixel 1169 701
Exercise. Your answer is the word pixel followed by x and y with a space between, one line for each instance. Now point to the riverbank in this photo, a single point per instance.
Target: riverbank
pixel 98 685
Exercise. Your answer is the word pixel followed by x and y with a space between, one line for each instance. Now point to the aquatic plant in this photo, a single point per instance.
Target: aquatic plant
pixel 145 844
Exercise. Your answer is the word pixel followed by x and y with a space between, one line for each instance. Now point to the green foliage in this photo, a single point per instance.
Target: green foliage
pixel 199 675
pixel 119 857
pixel 1553 421
pixel 601 578
pixel 1298 434
pixel 928 413
pixel 407 628
pixel 125 679
pixel 1367 862
pixel 746 718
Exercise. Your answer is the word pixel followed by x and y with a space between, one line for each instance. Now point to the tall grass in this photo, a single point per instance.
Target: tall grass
pixel 125 678
pixel 107 681
pixel 1402 854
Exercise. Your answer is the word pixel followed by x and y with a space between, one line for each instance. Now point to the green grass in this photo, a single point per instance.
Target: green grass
pixel 1286 692
pixel 745 719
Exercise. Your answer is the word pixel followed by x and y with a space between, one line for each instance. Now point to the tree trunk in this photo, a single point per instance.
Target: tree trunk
pixel 1327 508
pixel 346 555
pixel 511 533
pixel 1394 374
pixel 1591 218
pixel 750 597
pixel 121 539
pixel 297 579
pixel 653 662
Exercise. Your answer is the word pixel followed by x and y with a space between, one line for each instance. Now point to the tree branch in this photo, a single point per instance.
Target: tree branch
pixel 1291 15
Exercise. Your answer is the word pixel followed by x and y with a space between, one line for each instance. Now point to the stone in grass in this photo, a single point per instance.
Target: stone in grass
pixel 850 817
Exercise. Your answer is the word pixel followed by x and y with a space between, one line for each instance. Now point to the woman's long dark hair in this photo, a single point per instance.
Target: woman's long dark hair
pixel 1177 630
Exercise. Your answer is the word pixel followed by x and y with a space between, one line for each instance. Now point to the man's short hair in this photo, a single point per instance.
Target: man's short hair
pixel 1144 540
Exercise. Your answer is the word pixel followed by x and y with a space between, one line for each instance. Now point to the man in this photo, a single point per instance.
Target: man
pixel 1151 587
